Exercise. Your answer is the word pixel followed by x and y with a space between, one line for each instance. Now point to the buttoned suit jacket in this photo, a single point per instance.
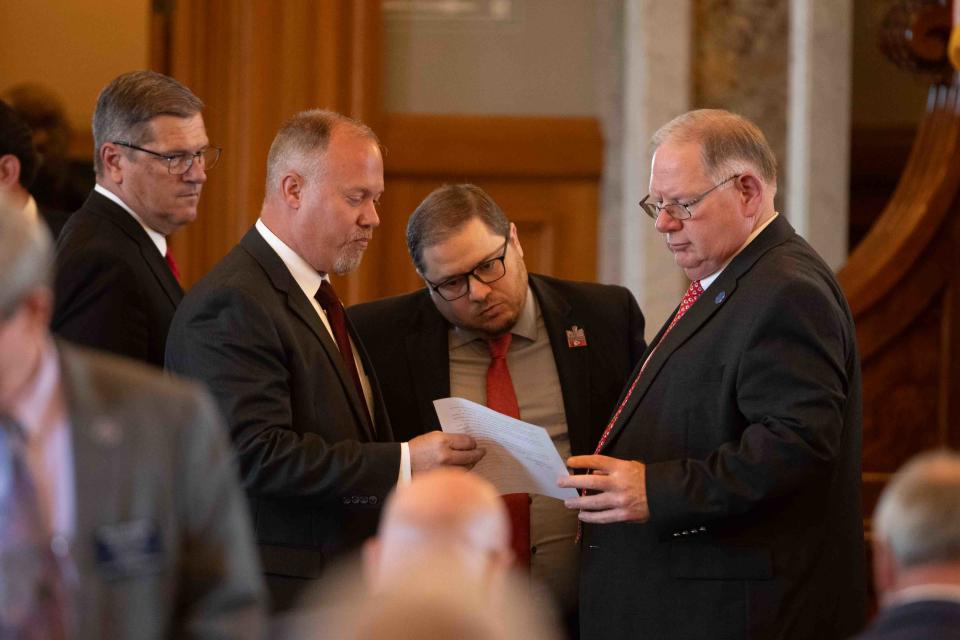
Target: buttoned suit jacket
pixel 748 418
pixel 918 620
pixel 113 290
pixel 163 544
pixel 407 340
pixel 315 470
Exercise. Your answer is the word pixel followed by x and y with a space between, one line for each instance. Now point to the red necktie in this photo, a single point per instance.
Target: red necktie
pixel 693 292
pixel 502 397
pixel 36 599
pixel 331 305
pixel 172 264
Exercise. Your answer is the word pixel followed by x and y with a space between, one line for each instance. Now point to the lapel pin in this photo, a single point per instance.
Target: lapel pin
pixel 720 297
pixel 576 337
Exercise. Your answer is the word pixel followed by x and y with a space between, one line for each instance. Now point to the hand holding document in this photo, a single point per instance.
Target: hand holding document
pixel 520 456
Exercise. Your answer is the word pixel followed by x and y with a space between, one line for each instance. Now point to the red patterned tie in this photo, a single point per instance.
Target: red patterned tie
pixel 693 292
pixel 332 306
pixel 502 397
pixel 172 264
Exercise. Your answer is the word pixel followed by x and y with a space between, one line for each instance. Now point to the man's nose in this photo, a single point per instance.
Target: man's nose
pixel 478 290
pixel 665 223
pixel 369 217
pixel 196 172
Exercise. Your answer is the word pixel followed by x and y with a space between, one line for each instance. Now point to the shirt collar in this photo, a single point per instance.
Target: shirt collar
pixel 525 326
pixel 157 238
pixel 40 393
pixel 706 282
pixel 949 592
pixel 31 208
pixel 305 276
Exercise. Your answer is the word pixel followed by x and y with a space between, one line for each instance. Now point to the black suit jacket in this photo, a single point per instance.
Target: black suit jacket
pixel 163 545
pixel 113 289
pixel 407 340
pixel 920 620
pixel 315 470
pixel 748 417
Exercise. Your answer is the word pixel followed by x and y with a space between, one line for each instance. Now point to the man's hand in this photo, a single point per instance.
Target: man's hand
pixel 620 485
pixel 439 449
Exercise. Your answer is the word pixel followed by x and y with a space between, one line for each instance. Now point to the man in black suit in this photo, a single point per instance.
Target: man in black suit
pixel 119 479
pixel 916 551
pixel 725 498
pixel 19 163
pixel 265 331
pixel 117 285
pixel 572 346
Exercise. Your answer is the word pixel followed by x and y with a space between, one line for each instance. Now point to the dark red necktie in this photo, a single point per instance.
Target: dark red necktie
pixel 502 397
pixel 693 292
pixel 172 264
pixel 332 306
pixel 36 601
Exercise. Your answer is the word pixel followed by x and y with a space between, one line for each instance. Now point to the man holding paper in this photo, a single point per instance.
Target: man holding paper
pixel 551 352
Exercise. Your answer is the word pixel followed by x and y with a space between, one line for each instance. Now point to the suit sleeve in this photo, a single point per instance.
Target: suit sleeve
pixel 791 387
pixel 231 343
pixel 220 581
pixel 98 304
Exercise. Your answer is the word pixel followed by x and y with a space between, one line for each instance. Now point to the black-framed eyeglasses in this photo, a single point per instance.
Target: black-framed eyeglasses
pixel 487 272
pixel 679 210
pixel 179 163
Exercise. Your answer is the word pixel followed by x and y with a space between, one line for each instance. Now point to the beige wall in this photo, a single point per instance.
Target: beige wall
pixel 72 46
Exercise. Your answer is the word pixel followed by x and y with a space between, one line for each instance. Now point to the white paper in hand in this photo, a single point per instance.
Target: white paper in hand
pixel 520 456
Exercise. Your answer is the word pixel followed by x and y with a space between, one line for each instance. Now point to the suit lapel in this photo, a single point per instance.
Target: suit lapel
pixel 719 293
pixel 573 364
pixel 100 458
pixel 428 359
pixel 281 280
pixel 124 222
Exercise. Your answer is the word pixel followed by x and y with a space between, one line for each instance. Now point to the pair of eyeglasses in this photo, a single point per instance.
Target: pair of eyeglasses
pixel 179 163
pixel 679 210
pixel 487 272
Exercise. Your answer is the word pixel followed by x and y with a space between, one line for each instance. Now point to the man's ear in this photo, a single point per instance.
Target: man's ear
pixel 291 189
pixel 750 189
pixel 112 160
pixel 9 171
pixel 515 239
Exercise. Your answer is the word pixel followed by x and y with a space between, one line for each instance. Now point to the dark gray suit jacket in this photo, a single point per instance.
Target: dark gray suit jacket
pixel 748 417
pixel 113 289
pixel 163 544
pixel 315 470
pixel 407 340
pixel 919 620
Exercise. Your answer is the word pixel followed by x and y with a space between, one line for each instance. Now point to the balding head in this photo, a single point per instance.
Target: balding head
pixel 449 512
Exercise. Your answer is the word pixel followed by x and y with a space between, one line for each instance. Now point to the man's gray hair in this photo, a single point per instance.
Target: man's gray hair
pixel 918 516
pixel 444 212
pixel 126 106
pixel 302 141
pixel 729 143
pixel 26 256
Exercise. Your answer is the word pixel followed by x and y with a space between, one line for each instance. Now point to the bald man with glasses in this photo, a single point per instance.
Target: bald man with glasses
pixel 117 285
pixel 552 352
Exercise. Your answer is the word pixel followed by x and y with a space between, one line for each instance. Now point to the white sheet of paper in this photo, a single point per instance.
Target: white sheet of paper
pixel 520 456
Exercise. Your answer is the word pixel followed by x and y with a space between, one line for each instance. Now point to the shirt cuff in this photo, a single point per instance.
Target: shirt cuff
pixel 404 476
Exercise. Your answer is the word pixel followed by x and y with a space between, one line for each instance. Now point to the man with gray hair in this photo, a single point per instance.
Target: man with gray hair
pixel 121 515
pixel 267 333
pixel 916 551
pixel 117 284
pixel 724 495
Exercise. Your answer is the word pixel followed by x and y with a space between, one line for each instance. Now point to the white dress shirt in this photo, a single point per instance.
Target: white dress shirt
pixel 158 238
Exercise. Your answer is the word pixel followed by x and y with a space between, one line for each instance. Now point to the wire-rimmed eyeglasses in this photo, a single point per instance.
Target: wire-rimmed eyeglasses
pixel 179 163
pixel 679 210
